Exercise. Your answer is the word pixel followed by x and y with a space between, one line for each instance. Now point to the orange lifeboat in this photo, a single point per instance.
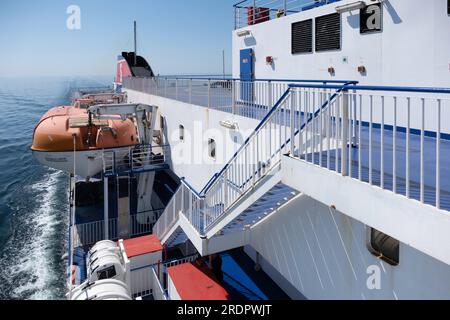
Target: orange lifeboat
pixel 67 131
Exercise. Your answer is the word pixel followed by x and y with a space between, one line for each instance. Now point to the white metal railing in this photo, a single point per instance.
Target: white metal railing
pixel 251 99
pixel 176 262
pixel 184 197
pixel 389 137
pixel 259 156
pixel 262 153
pixel 109 159
pixel 143 223
pixel 87 234
pixel 158 292
pixel 143 157
pixel 251 12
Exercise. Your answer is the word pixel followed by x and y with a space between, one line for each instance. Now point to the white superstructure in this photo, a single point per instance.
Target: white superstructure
pixel 325 155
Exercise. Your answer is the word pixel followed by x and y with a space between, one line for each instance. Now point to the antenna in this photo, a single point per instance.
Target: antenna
pixel 135 45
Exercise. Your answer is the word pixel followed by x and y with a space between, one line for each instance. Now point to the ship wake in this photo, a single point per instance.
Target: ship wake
pixel 31 266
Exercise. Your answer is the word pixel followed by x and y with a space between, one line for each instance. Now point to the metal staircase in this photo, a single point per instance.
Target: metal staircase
pixel 378 142
pixel 250 178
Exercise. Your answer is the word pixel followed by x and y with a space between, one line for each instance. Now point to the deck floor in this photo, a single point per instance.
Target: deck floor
pixel 266 205
pixel 362 160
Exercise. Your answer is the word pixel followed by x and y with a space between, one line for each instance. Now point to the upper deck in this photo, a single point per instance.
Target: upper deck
pixel 389 43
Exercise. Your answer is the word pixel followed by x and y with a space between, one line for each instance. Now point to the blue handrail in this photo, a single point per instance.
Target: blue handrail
pixel 306 5
pixel 209 182
pixel 183 181
pixel 308 121
pixel 217 175
pixel 257 79
pixel 166 262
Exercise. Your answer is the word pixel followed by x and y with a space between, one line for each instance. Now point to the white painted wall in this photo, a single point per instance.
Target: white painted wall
pixel 421 226
pixel 412 50
pixel 312 250
pixel 145 260
pixel 191 160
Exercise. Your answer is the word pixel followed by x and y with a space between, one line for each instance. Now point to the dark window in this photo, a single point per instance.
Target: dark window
pixel 181 133
pixel 371 18
pixel 107 273
pixel 328 32
pixel 302 37
pixel 385 247
pixel 212 148
pixel 448 6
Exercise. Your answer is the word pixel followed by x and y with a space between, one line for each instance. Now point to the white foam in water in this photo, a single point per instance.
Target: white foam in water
pixel 33 256
pixel 34 206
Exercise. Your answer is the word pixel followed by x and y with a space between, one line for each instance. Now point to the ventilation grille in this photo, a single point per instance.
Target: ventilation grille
pixel 328 32
pixel 302 37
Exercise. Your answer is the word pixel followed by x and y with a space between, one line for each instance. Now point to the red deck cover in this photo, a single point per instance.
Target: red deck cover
pixel 142 245
pixel 192 284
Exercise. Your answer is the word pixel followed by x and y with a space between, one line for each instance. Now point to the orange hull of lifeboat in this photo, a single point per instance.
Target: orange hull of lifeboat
pixel 63 130
pixel 54 133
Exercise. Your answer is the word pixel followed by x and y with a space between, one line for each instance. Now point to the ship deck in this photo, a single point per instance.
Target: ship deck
pixel 221 99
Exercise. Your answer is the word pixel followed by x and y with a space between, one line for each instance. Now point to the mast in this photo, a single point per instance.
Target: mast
pixel 135 45
pixel 223 63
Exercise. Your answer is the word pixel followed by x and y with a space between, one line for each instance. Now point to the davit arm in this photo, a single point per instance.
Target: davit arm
pixel 145 116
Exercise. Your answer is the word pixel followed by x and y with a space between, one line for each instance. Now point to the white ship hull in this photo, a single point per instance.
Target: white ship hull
pixel 317 229
pixel 87 163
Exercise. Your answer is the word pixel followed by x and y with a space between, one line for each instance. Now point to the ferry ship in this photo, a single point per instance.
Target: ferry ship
pixel 319 170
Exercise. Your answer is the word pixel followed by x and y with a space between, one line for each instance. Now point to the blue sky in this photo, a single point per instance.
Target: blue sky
pixel 175 36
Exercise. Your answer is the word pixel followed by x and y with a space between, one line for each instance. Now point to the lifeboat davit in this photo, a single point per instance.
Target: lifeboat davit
pixel 69 133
